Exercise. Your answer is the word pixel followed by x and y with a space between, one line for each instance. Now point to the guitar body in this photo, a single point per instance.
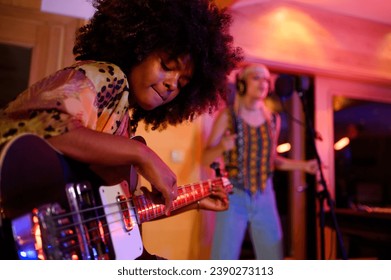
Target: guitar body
pixel 52 207
pixel 26 183
pixel 35 176
pixel 31 174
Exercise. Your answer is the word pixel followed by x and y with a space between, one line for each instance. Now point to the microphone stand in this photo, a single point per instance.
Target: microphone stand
pixel 323 195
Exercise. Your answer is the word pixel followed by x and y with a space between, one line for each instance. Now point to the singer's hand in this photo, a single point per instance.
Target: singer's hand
pixel 311 166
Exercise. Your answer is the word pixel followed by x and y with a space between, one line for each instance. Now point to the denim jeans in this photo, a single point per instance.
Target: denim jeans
pixel 259 213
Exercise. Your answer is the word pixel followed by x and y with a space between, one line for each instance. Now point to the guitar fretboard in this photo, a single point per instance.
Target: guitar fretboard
pixel 187 194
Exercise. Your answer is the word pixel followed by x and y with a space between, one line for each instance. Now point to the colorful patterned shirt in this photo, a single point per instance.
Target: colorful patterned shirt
pixel 90 93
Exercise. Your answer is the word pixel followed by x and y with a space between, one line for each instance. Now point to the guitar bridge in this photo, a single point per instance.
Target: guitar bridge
pixel 122 221
pixel 125 211
pixel 90 225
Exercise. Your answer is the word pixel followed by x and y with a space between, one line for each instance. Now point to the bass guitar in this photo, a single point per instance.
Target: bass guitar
pixel 53 207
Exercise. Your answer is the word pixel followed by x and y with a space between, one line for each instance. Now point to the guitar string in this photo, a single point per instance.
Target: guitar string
pixel 96 208
pixel 210 184
pixel 106 232
pixel 91 241
pixel 96 218
pixel 115 204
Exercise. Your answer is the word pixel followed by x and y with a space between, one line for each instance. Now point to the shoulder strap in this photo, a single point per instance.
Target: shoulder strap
pixel 233 125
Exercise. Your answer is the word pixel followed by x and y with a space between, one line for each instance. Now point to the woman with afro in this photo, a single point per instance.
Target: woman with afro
pixel 162 62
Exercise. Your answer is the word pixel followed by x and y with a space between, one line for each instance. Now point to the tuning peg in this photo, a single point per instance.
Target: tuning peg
pixel 216 167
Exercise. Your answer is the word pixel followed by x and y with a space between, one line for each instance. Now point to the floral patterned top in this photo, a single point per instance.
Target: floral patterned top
pixel 89 93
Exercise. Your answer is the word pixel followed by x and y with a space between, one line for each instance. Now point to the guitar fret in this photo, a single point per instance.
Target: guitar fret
pixel 187 194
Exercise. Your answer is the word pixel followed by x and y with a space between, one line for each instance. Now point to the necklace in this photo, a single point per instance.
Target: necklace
pixel 251 109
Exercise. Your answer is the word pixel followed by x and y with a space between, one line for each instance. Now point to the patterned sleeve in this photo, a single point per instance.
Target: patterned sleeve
pixel 89 94
pixel 109 112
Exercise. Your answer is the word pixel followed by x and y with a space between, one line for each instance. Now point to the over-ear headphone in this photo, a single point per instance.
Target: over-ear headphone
pixel 240 85
pixel 269 88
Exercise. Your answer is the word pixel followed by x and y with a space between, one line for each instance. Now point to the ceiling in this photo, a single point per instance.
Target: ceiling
pixel 376 10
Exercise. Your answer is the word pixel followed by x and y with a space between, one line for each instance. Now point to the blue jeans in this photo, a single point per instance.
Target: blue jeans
pixel 258 212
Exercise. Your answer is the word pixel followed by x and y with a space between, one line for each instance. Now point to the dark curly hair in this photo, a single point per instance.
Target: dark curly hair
pixel 125 32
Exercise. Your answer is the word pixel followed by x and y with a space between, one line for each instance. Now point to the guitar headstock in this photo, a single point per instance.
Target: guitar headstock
pixel 224 182
pixel 227 184
pixel 216 167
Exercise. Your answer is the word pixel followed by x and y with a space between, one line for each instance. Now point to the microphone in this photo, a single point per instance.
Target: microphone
pixel 302 83
pixel 286 84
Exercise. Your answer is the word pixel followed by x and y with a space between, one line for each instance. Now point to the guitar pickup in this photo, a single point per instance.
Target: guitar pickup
pixel 126 215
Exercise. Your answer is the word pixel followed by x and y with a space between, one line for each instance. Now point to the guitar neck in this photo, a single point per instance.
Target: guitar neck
pixel 187 194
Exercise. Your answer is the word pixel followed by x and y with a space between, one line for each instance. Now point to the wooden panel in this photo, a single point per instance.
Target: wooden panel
pixel 32 4
pixel 50 36
pixel 17 31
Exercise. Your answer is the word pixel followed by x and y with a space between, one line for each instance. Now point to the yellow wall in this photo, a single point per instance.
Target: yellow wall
pixel 175 237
